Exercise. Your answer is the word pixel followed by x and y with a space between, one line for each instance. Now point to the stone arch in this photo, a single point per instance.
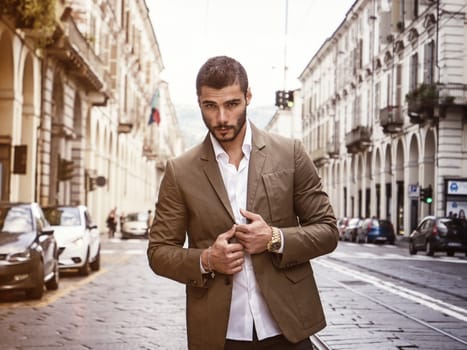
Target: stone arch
pixel 368 181
pixel 429 152
pixel 57 144
pixel 29 124
pixel 399 185
pixel 413 179
pixel 378 180
pixel 388 187
pixel 7 69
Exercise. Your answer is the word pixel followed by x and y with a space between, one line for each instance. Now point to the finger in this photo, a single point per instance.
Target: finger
pixel 228 234
pixel 249 214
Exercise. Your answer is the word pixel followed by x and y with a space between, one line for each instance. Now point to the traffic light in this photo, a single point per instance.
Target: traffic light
pixel 422 194
pixel 429 195
pixel 284 99
pixel 280 102
pixel 426 194
pixel 65 169
pixel 290 99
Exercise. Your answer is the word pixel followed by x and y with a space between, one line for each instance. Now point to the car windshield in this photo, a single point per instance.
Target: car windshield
pixel 137 217
pixel 448 225
pixel 63 216
pixel 15 219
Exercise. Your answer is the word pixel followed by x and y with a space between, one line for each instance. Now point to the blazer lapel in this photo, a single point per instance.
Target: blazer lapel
pixel 257 159
pixel 211 169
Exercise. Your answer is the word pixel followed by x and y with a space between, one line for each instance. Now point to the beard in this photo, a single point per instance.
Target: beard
pixel 225 132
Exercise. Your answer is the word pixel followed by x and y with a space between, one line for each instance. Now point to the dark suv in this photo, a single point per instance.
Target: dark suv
pixel 28 250
pixel 435 234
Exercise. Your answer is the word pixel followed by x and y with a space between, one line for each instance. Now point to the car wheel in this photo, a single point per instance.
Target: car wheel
pixel 429 249
pixel 52 284
pixel 96 264
pixel 412 249
pixel 38 290
pixel 450 253
pixel 85 270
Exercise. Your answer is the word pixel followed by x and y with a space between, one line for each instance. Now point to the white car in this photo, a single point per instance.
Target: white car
pixel 77 236
pixel 135 225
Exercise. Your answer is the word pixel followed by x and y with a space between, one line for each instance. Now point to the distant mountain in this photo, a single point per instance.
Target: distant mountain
pixel 193 129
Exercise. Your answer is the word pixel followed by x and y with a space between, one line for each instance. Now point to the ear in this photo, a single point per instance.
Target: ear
pixel 248 96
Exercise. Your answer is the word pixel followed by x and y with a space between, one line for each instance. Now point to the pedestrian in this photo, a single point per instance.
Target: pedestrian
pixel 252 206
pixel 111 222
pixel 149 221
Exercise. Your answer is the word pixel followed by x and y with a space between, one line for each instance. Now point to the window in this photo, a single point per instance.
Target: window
pixel 429 62
pixel 413 78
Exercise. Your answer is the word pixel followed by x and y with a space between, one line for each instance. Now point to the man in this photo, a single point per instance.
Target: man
pixel 252 206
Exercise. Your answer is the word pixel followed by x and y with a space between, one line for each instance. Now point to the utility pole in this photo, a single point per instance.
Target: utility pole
pixel 285 43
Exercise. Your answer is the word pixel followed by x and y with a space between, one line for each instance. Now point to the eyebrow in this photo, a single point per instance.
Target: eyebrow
pixel 237 100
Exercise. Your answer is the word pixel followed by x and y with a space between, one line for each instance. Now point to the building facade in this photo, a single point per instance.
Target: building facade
pixel 76 93
pixel 384 110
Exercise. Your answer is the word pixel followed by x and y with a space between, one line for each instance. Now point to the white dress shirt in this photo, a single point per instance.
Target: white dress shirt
pixel 247 305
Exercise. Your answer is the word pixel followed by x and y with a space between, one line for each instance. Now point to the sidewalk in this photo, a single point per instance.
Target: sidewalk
pixel 402 241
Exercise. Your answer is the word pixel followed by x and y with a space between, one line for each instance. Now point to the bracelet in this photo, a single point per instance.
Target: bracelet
pixel 210 270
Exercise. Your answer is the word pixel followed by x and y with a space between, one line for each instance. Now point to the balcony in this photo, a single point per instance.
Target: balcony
pixel 358 139
pixel 390 119
pixel 421 103
pixel 320 157
pixel 75 53
pixel 332 148
pixel 150 151
pixel 451 96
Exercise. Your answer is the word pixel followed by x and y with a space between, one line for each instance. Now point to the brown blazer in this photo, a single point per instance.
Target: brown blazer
pixel 285 189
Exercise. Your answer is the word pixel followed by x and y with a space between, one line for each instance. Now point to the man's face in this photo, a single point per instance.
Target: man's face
pixel 224 111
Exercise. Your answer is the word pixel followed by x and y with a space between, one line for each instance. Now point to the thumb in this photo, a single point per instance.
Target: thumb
pixel 248 214
pixel 230 233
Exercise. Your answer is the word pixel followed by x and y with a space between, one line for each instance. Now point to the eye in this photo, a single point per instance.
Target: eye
pixel 209 106
pixel 233 104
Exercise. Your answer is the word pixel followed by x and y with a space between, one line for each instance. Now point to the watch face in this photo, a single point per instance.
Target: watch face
pixel 275 246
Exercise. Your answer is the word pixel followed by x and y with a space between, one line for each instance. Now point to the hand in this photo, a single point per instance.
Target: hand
pixel 253 236
pixel 224 257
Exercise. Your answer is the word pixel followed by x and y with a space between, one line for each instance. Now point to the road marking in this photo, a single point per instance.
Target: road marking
pixel 129 251
pixel 50 297
pixel 394 256
pixel 423 299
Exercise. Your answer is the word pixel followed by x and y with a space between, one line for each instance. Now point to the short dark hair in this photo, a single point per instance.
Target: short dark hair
pixel 221 71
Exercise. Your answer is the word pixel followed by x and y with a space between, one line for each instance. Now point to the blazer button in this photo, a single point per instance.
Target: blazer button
pixel 227 280
pixel 192 282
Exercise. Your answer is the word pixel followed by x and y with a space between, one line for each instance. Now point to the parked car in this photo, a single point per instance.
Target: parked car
pixel 28 250
pixel 135 225
pixel 341 225
pixel 376 230
pixel 77 236
pixel 351 231
pixel 435 234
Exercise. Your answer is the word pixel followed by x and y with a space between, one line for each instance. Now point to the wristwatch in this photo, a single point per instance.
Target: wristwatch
pixel 276 240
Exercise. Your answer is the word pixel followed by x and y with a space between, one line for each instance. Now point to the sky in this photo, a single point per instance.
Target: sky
pixel 255 32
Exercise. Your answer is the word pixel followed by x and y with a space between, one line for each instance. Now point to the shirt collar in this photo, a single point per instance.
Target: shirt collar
pixel 246 146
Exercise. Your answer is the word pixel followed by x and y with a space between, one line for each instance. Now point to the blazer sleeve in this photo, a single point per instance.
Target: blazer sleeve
pixel 316 233
pixel 166 253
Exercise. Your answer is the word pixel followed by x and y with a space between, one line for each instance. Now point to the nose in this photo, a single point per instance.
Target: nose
pixel 222 116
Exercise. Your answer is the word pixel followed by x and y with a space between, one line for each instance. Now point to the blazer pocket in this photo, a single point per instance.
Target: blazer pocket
pixel 305 294
pixel 299 272
pixel 279 192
